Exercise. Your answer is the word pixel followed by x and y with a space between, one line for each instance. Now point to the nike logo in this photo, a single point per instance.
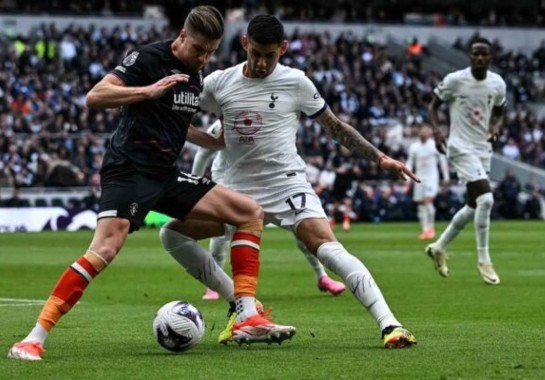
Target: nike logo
pixel 299 211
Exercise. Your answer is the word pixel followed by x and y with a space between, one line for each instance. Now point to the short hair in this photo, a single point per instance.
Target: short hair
pixel 205 20
pixel 480 40
pixel 265 29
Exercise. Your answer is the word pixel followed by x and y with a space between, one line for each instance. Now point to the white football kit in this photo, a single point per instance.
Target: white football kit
pixel 471 102
pixel 260 124
pixel 425 158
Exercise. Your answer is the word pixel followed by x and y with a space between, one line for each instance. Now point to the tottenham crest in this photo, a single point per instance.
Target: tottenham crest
pixel 131 58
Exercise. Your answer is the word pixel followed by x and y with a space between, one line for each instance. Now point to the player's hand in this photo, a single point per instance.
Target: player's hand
pixel 493 135
pixel 440 142
pixel 400 170
pixel 160 87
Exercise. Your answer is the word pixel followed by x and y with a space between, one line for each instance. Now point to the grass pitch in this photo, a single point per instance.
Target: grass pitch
pixel 465 329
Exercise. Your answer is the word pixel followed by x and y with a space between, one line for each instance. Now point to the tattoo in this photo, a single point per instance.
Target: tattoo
pixel 347 136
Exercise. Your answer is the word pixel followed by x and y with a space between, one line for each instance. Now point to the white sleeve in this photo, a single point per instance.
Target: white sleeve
pixel 443 164
pixel 311 103
pixel 410 157
pixel 203 155
pixel 207 98
pixel 501 96
pixel 445 88
pixel 200 163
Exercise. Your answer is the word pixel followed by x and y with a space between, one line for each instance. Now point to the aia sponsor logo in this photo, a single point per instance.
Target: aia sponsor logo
pixel 247 124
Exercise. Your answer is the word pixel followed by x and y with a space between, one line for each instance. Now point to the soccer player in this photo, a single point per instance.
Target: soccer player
pixel 219 245
pixel 158 85
pixel 260 102
pixel 425 158
pixel 476 98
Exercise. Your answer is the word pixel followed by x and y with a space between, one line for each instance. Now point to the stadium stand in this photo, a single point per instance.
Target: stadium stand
pixel 49 139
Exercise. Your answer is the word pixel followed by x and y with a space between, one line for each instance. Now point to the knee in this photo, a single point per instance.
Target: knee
pixel 485 201
pixel 171 239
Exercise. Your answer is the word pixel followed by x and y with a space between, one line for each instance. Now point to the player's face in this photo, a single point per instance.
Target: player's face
pixel 196 50
pixel 425 133
pixel 262 59
pixel 480 56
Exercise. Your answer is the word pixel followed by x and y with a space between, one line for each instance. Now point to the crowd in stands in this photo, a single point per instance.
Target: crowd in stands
pixel 462 12
pixel 49 138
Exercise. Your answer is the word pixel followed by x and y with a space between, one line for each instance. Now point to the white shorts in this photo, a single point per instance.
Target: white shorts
pixel 469 166
pixel 428 188
pixel 290 206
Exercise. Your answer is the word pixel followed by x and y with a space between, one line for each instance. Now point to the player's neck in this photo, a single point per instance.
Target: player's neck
pixel 478 74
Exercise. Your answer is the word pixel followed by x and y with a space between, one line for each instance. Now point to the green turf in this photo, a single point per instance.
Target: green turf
pixel 465 329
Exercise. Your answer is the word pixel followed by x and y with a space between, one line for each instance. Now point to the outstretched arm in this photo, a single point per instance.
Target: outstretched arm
pixel 347 136
pixel 201 138
pixel 111 91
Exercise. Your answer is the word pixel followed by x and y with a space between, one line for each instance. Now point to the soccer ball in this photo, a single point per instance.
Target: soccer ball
pixel 178 326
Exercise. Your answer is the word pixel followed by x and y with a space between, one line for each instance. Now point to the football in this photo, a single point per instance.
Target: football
pixel 178 326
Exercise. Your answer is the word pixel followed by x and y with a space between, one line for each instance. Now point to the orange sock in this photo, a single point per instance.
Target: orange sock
pixel 245 263
pixel 67 292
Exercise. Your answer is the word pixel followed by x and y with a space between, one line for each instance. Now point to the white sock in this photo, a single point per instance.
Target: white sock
pixel 245 308
pixel 457 224
pixel 422 217
pixel 430 212
pixel 482 226
pixel 198 262
pixel 358 279
pixel 219 246
pixel 316 265
pixel 38 334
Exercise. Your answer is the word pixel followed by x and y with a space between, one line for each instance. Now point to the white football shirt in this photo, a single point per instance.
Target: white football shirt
pixel 260 120
pixel 471 102
pixel 425 159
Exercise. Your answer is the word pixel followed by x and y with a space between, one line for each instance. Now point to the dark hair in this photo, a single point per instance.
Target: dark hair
pixel 480 40
pixel 265 29
pixel 205 20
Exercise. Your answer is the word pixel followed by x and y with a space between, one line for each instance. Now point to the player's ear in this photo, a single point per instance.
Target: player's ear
pixel 182 35
pixel 284 47
pixel 244 42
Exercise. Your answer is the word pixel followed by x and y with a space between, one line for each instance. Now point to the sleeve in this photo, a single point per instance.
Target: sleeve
pixel 200 163
pixel 208 100
pixel 136 67
pixel 311 103
pixel 445 88
pixel 500 99
pixel 443 164
pixel 410 157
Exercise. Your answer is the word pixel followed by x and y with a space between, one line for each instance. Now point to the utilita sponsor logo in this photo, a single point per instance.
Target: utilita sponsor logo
pixel 187 99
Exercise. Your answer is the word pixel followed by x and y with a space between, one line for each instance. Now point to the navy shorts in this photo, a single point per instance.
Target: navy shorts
pixel 131 195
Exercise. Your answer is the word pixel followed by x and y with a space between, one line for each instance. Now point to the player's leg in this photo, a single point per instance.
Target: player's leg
pixel 118 196
pixel 418 197
pixel 222 205
pixel 108 239
pixel 325 283
pixel 319 238
pixel 469 168
pixel 218 247
pixel 480 194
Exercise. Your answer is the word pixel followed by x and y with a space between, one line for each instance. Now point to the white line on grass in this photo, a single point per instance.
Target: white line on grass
pixel 10 302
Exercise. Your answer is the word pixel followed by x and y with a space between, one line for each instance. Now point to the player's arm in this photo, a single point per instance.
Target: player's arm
pixel 433 107
pixel 496 121
pixel 350 138
pixel 201 138
pixel 111 91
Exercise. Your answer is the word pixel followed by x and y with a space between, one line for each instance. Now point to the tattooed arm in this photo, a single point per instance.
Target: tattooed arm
pixel 347 136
